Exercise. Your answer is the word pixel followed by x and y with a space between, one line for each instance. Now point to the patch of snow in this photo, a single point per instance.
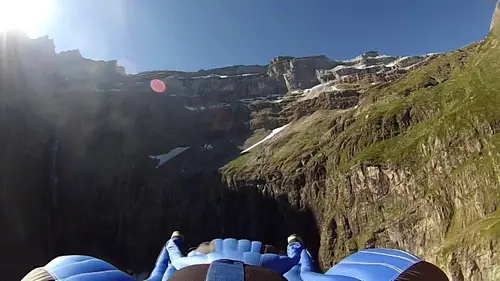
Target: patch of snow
pixel 206 147
pixel 225 76
pixel 358 58
pixel 363 66
pixel 359 66
pixel 318 89
pixel 107 90
pixel 394 63
pixel 296 92
pixel 432 54
pixel 339 67
pixel 204 107
pixel 315 88
pixel 411 66
pixel 219 105
pixel 164 158
pixel 246 100
pixel 270 97
pixel 322 88
pixel 270 136
pixel 274 96
pixel 208 76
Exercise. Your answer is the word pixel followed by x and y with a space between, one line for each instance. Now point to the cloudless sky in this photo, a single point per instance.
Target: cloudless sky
pixel 193 34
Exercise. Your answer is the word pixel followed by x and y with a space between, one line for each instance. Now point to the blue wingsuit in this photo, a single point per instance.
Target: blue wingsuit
pixel 297 265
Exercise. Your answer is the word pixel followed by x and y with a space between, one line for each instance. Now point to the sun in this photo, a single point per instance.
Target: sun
pixel 26 15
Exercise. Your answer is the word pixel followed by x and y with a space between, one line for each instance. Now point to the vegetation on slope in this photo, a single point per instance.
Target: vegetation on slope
pixel 455 94
pixel 439 124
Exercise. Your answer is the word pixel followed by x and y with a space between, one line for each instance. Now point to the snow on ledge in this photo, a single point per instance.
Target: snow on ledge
pixel 395 63
pixel 207 147
pixel 270 136
pixel 225 76
pixel 164 158
pixel 190 108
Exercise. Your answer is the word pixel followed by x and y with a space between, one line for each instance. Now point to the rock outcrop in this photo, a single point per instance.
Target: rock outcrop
pixel 495 22
pixel 372 67
pixel 27 63
pixel 401 170
pixel 299 73
pixel 26 85
pixel 79 71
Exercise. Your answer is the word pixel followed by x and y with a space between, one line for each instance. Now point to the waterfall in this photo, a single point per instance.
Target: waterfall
pixel 53 172
pixel 53 195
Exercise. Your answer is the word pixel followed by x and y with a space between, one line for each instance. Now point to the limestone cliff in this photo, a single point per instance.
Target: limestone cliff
pixel 26 85
pixel 495 22
pixel 299 73
pixel 413 166
pixel 77 71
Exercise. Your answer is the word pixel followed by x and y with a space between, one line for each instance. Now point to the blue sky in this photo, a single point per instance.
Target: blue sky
pixel 193 34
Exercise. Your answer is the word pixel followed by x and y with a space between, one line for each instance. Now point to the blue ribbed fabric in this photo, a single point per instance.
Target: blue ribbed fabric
pixel 226 270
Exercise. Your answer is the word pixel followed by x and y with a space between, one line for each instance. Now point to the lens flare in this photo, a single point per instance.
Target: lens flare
pixel 30 16
pixel 158 86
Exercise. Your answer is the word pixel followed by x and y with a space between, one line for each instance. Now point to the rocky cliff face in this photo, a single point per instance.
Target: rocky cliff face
pixel 80 153
pixel 496 18
pixel 78 72
pixel 299 73
pixel 412 166
pixel 25 88
pixel 377 151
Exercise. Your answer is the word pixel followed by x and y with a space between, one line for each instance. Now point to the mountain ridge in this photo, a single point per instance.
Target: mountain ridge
pixel 414 155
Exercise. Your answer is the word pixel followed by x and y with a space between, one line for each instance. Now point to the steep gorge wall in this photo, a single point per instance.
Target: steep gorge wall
pixel 76 174
pixel 24 146
pixel 495 22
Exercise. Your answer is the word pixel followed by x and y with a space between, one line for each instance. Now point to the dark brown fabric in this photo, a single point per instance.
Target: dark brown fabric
pixel 423 271
pixel 38 274
pixel 199 273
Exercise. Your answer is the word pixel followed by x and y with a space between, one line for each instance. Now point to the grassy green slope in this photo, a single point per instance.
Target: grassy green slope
pixel 451 96
pixel 449 109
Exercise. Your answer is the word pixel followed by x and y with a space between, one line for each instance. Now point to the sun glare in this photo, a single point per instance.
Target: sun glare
pixel 26 15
